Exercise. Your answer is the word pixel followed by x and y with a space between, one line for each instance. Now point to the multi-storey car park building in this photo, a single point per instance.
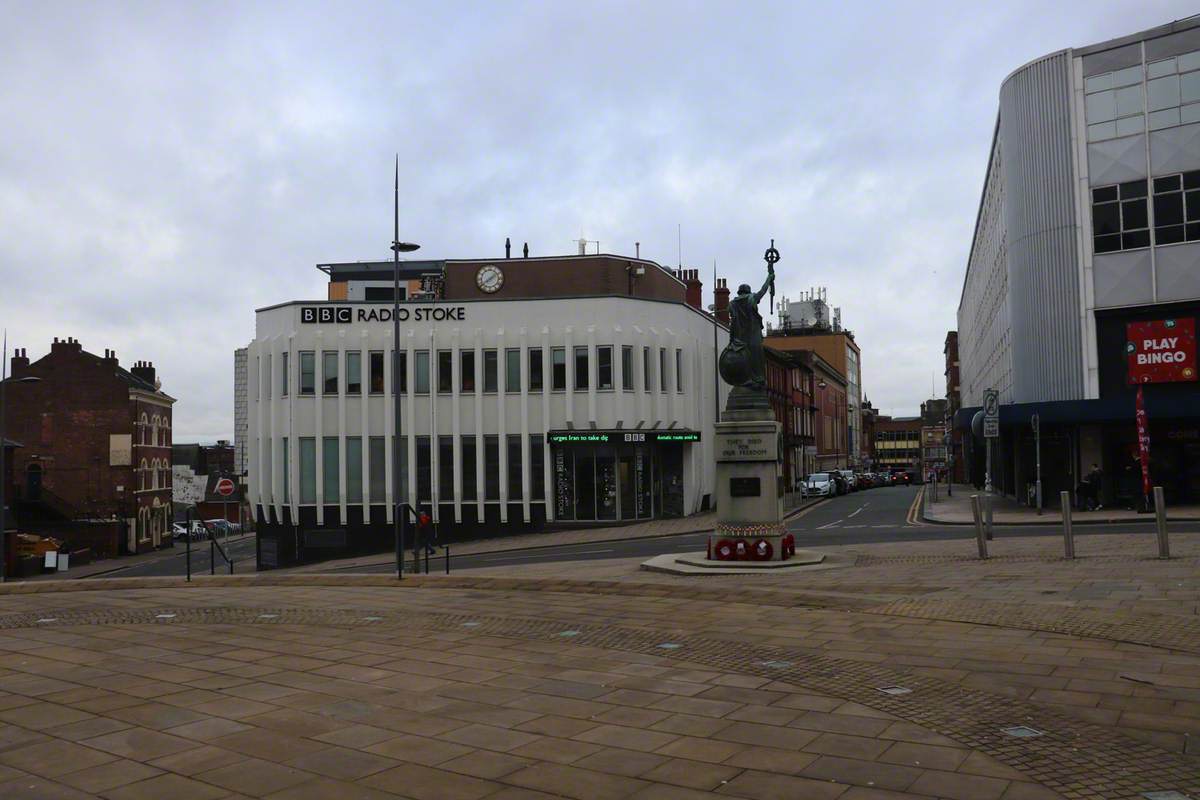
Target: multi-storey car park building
pixel 1085 265
pixel 532 391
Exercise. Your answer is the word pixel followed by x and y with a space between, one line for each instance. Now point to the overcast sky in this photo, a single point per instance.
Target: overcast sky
pixel 166 168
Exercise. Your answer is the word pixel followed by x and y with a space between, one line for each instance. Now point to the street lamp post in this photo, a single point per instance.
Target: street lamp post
pixel 398 247
pixel 3 476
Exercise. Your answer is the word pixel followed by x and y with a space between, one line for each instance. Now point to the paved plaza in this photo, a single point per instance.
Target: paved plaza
pixel 599 680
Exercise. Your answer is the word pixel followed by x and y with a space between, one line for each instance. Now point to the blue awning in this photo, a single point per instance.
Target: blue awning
pixel 1106 409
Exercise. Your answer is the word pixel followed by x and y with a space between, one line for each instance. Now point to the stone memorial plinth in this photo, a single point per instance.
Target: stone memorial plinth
pixel 749 497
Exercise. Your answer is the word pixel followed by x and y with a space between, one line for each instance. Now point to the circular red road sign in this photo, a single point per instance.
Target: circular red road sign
pixel 224 487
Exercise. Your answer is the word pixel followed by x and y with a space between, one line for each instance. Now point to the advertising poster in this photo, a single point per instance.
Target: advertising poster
pixel 1161 350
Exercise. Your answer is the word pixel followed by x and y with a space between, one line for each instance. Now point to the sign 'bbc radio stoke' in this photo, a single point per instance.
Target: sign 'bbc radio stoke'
pixel 348 315
pixel 1161 351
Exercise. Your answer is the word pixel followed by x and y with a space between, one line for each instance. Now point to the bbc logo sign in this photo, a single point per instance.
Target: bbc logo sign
pixel 326 315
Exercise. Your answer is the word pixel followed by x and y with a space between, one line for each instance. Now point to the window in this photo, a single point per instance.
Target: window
pixel 535 369
pixel 466 366
pixel 489 370
pixel 287 470
pixel 1177 208
pixel 558 368
pixel 512 370
pixel 581 367
pixel 329 372
pixel 382 294
pixel 604 378
pixel 266 383
pixel 421 371
pixel 424 471
pixel 1119 218
pixel 401 375
pixel 1114 104
pixel 537 468
pixel 445 468
pixel 445 371
pixel 678 370
pixel 283 374
pixel 354 372
pixel 468 467
pixel 354 474
pixel 515 492
pixel 308 376
pixel 376 367
pixel 329 469
pixel 491 467
pixel 647 378
pixel 662 369
pixel 308 470
pixel 627 368
pixel 377 462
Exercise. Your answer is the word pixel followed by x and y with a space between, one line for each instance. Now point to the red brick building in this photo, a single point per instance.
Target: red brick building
pixel 790 390
pixel 95 461
pixel 957 464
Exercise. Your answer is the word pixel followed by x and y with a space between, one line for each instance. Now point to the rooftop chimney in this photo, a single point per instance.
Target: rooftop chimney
pixel 721 301
pixel 507 248
pixel 695 297
pixel 144 370
pixel 19 363
pixel 526 249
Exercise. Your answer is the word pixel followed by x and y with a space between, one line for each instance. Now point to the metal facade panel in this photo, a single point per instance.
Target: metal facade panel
pixel 1178 276
pixel 1117 160
pixel 1175 149
pixel 1122 279
pixel 1042 228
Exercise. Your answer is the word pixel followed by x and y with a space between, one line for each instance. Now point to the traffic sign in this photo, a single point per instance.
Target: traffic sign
pixel 991 414
pixel 225 487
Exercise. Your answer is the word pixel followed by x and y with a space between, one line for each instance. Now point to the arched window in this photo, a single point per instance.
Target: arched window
pixel 143 436
pixel 142 476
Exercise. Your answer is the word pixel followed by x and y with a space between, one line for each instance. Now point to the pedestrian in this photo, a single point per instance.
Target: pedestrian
pixel 428 533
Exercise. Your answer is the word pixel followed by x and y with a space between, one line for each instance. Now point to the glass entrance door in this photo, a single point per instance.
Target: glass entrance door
pixel 625 473
pixel 606 484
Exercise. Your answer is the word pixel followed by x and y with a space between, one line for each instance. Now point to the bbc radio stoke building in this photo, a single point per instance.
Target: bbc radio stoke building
pixel 1083 280
pixel 533 392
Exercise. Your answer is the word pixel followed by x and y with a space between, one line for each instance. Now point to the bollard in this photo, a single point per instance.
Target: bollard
pixel 987 515
pixel 1068 534
pixel 447 559
pixel 979 537
pixel 1160 522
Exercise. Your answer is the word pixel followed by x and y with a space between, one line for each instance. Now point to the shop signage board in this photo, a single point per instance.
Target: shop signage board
pixel 622 437
pixel 348 315
pixel 1161 350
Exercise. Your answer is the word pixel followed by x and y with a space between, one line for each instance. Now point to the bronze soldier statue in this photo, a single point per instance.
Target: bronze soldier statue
pixel 742 364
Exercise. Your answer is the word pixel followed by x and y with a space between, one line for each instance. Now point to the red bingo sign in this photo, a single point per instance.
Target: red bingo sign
pixel 1161 350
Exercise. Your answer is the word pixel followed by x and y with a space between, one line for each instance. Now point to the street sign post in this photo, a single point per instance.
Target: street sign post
pixel 1036 422
pixel 225 487
pixel 991 430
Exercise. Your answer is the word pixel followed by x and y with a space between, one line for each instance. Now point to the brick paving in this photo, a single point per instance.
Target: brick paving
pixel 597 680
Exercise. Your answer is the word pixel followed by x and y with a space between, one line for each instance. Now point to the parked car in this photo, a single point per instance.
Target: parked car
pixel 180 530
pixel 819 484
pixel 851 479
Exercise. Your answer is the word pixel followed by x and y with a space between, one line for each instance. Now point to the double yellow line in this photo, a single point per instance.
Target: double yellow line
pixel 914 511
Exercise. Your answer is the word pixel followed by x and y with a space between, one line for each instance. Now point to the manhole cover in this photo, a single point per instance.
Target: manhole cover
pixel 1171 795
pixel 1022 731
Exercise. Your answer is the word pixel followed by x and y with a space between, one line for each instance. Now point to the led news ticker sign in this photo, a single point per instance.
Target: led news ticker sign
pixel 622 437
pixel 1161 350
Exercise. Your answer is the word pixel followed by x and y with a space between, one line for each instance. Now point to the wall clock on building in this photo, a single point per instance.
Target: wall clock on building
pixel 490 278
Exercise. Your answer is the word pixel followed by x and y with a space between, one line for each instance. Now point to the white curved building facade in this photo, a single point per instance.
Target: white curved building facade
pixel 515 413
